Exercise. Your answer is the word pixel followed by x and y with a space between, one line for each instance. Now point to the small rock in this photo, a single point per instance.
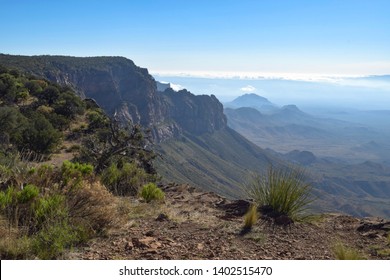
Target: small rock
pixel 200 246
pixel 155 245
pixel 142 243
pixel 162 217
pixel 129 246
pixel 149 233
pixel 371 235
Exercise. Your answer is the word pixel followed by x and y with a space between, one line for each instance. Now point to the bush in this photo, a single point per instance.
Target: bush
pixel 16 205
pixel 50 242
pixel 74 173
pixel 150 192
pixel 282 192
pixel 60 208
pixel 92 208
pixel 125 180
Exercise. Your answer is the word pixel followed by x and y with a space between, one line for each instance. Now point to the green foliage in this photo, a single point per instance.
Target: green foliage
pixel 73 173
pixel 344 253
pixel 34 114
pixel 58 209
pixel 49 208
pixel 27 194
pixel 151 192
pixel 97 119
pixel 125 180
pixel 50 242
pixel 69 105
pixel 40 136
pixel 283 191
pixel 117 144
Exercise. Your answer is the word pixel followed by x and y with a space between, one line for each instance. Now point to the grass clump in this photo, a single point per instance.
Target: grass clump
pixel 342 252
pixel 151 192
pixel 250 218
pixel 58 209
pixel 280 191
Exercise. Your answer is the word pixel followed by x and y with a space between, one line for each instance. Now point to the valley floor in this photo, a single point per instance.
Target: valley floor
pixel 197 225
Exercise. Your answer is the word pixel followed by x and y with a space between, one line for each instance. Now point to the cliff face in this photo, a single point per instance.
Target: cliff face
pixel 197 114
pixel 123 89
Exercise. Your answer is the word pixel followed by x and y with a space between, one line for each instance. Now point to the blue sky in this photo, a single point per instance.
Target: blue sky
pixel 205 37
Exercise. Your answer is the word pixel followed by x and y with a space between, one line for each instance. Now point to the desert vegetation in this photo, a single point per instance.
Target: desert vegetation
pixel 343 252
pixel 280 193
pixel 48 208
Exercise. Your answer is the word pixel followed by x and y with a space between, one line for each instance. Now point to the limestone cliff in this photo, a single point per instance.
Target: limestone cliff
pixel 127 91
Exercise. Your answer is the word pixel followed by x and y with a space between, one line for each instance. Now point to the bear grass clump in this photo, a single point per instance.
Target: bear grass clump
pixel 282 192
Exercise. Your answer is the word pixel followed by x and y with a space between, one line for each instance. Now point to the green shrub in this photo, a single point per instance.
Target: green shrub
pixel 283 191
pixel 150 192
pixel 343 253
pixel 27 194
pixel 51 241
pixel 125 180
pixel 48 209
pixel 74 173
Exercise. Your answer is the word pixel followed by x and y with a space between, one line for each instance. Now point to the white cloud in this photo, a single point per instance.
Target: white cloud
pixel 176 87
pixel 248 88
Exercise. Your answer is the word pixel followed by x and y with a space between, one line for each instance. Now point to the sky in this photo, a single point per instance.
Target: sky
pixel 247 39
pixel 208 37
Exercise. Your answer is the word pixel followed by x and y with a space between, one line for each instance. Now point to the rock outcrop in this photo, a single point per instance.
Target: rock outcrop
pixel 128 92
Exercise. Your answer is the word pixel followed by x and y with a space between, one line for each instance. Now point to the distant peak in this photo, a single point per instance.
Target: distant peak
pixel 291 107
pixel 252 96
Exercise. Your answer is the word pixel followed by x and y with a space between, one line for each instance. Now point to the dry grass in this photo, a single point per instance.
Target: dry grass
pixel 342 252
pixel 250 217
pixel 93 206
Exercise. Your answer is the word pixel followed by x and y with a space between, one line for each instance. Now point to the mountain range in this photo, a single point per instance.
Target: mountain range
pixel 346 158
pixel 199 142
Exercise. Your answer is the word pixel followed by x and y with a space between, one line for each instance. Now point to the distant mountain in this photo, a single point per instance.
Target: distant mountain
pixel 251 100
pixel 291 114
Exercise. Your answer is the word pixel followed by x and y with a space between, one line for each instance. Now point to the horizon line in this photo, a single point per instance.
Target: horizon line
pixel 228 75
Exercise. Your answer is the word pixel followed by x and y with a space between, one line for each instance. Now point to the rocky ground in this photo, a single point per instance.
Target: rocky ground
pixel 191 224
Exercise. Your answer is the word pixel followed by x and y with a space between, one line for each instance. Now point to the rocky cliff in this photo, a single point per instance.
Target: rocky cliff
pixel 127 91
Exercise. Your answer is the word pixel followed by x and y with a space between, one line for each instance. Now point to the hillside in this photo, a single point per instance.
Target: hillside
pixel 346 160
pixel 217 162
pixel 189 131
pixel 191 135
pixel 98 206
pixel 198 225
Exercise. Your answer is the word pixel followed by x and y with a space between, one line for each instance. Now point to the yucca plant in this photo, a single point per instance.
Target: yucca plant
pixel 283 191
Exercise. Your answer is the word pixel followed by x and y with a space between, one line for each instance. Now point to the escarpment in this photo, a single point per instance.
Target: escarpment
pixel 127 92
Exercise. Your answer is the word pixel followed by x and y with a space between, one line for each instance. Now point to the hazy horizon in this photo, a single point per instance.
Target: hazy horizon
pixel 362 93
pixel 300 52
